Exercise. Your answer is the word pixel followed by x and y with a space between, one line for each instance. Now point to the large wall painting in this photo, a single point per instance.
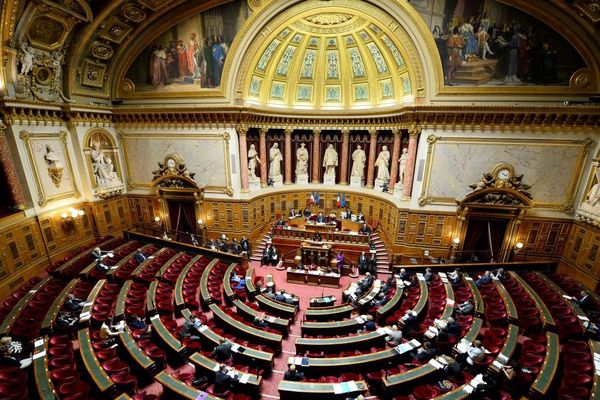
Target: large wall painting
pixel 486 43
pixel 191 55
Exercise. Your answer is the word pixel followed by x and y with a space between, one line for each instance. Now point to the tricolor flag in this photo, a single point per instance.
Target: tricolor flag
pixel 317 198
pixel 312 198
pixel 343 200
pixel 338 202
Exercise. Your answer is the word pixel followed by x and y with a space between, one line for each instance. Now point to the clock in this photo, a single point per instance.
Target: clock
pixel 171 163
pixel 502 172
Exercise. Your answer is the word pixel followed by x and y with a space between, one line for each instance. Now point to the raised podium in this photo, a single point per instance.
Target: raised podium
pixel 316 254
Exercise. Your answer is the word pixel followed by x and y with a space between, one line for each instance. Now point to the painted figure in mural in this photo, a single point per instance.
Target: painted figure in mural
pixel 253 161
pixel 302 160
pixel 275 159
pixel 359 159
pixel 330 160
pixel 382 163
pixel 158 71
pixel 513 57
pixel 193 50
pixel 402 167
pixel 468 34
pixel 455 46
pixel 219 57
pixel 210 68
pixel 482 39
pixel 182 59
pixel 593 197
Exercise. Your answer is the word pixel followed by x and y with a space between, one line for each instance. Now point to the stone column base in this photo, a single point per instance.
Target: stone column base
pixel 357 182
pixel 254 186
pixel 329 180
pixel 379 183
pixel 277 180
pixel 302 179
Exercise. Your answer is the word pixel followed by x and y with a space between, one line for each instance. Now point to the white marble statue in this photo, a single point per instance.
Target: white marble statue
pixel 593 197
pixel 26 57
pixel 402 167
pixel 51 157
pixel 302 160
pixel 382 163
pixel 275 159
pixel 253 161
pixel 103 168
pixel 330 160
pixel 359 159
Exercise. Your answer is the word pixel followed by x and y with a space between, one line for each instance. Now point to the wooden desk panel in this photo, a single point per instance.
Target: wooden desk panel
pixel 542 383
pixel 56 306
pixel 334 313
pixel 545 315
pixel 177 389
pixel 205 298
pixel 277 308
pixel 21 304
pixel 178 294
pixel 290 390
pixel 359 342
pixel 384 311
pixel 135 353
pixel 208 366
pixel 43 382
pixel 330 328
pixel 281 324
pixel 305 277
pixel 92 364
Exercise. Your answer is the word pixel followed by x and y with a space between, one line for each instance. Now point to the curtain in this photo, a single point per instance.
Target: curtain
pixel 182 215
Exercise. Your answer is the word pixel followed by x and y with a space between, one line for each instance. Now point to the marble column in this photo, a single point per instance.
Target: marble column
pixel 242 130
pixel 316 156
pixel 263 156
pixel 372 158
pixel 413 139
pixel 395 157
pixel 6 162
pixel 288 156
pixel 344 163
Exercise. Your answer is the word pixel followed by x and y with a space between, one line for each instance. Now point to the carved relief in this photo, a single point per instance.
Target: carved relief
pixel 171 171
pixel 47 32
pixel 55 167
pixel 103 163
pixel 115 30
pixel 93 74
pixel 101 51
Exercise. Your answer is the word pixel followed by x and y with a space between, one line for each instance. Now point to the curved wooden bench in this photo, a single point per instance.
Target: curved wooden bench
pixel 79 257
pixel 282 325
pixel 477 299
pixel 511 309
pixel 545 315
pixel 508 349
pixel 84 273
pixel 332 313
pixel 21 304
pixel 178 294
pixel 101 379
pixel 331 328
pixel 176 389
pixel 361 341
pixel 277 308
pixel 165 337
pixel 209 366
pixel 205 298
pixel 135 353
pixel 542 383
pixel 113 270
pixel 121 299
pixel 56 306
pixel 299 390
pixel 388 308
pixel 43 382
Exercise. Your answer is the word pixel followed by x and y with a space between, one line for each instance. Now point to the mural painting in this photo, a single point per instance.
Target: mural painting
pixel 486 43
pixel 191 55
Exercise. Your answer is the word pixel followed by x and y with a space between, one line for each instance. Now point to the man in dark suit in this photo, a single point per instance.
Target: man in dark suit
pixel 292 213
pixel 307 212
pixel 360 217
pixel 189 329
pixel 266 256
pixel 321 218
pixel 140 257
pixel 373 264
pixel 245 243
pixel 292 374
pixel 223 351
pixel 365 230
pixel 73 303
pixel 585 302
pixel 363 262
pixel 224 380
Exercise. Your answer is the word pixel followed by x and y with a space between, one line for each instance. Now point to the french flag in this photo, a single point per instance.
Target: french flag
pixel 339 200
pixel 317 198
pixel 343 200
pixel 312 198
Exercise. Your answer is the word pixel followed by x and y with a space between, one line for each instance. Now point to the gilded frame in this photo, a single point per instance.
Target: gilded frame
pixel 113 150
pixel 570 192
pixel 225 137
pixel 43 198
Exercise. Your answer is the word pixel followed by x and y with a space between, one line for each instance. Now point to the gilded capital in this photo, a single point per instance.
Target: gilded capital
pixel 373 133
pixel 288 131
pixel 415 130
pixel 397 132
pixel 345 133
pixel 317 132
pixel 241 129
pixel 263 131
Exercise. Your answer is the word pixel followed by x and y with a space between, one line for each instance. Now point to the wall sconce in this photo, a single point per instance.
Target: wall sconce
pixel 518 247
pixel 455 243
pixel 157 220
pixel 68 219
pixel 200 222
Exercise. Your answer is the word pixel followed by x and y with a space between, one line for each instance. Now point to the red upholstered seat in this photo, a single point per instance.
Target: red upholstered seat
pixel 70 389
pixel 425 392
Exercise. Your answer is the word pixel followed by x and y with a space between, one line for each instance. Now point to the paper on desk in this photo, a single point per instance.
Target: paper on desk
pixel 39 354
pixel 468 278
pixel 359 320
pixel 463 346
pixel 384 331
pixel 244 378
pixel 468 389
pixel 435 364
pixel 88 303
pixel 235 347
pixel 38 342
pixel 496 364
pixel 154 317
pixel 202 328
pixel 450 302
pixel 583 318
pixel 415 343
pixel 502 358
pixel 270 319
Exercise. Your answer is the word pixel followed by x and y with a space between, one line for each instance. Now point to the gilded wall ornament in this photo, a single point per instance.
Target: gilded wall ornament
pixel 329 19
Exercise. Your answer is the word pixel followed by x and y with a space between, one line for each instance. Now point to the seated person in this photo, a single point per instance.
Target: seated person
pixel 307 212
pixel 73 303
pixel 403 275
pixel 97 254
pixel 475 353
pixel 270 294
pixel 137 323
pixel 499 274
pixel 108 333
pixel 190 327
pixel 66 319
pixel 140 257
pixel 9 360
pixel 484 279
pixel 370 325
pixel 452 327
pixel 425 353
pixel 410 319
pixel 365 230
pixel 245 244
pixel 365 283
pixel 292 213
pixel 280 224
pixel 317 237
pixel 585 301
pixel 394 338
pixel 465 308
pixel 11 347
pixel 455 277
pixel 373 264
pixel 282 296
pixel 225 379
pixel 241 285
pixel 292 374
pixel 222 352
pixel 348 213
pixel 225 246
pixel 321 218
pixel 236 248
pixel 360 217
pixel 259 322
pixel 380 300
pixel 428 275
pixel 102 267
pixel 389 284
pixel 487 390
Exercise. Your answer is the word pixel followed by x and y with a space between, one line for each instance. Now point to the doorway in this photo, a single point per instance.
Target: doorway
pixel 182 216
pixel 484 239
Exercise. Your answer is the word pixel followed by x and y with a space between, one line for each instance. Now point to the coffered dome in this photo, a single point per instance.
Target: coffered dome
pixel 327 59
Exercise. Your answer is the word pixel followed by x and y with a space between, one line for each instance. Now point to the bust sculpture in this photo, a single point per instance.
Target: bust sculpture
pixel 275 159
pixel 402 167
pixel 382 163
pixel 253 160
pixel 330 160
pixel 302 160
pixel 359 159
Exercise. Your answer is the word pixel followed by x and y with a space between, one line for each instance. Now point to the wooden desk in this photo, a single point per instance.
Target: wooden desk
pixel 121 301
pixel 361 341
pixel 393 384
pixel 165 337
pixel 43 381
pixel 56 306
pixel 281 324
pixel 541 384
pixel 330 328
pixel 135 353
pixel 362 362
pixel 290 390
pixel 511 308
pixel 478 300
pixel 83 257
pixel 113 270
pixel 176 389
pixel 101 379
pixel 313 278
pixel 86 312
pixel 510 345
pixel 152 258
pixel 317 254
pixel 277 308
pixel 208 367
pixel 334 313
pixel 581 316
pixel 595 348
pixel 384 311
pixel 545 315
pixel 21 304
pixel 205 298
pixel 250 332
pixel 210 339
pixel 178 294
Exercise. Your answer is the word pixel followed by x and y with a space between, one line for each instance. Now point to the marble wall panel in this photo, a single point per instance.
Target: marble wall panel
pixel 206 155
pixel 552 167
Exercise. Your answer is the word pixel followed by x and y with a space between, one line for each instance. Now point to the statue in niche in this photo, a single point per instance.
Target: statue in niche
pixel 103 168
pixel 253 161
pixel 302 160
pixel 382 163
pixel 275 159
pixel 593 196
pixel 55 168
pixel 330 160
pixel 402 167
pixel 359 159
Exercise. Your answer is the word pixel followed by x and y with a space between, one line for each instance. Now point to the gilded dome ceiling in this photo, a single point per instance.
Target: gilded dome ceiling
pixel 330 60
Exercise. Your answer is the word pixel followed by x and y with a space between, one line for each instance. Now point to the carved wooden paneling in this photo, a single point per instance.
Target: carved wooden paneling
pixel 583 247
pixel 544 237
pixel 425 230
pixel 143 210
pixel 112 215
